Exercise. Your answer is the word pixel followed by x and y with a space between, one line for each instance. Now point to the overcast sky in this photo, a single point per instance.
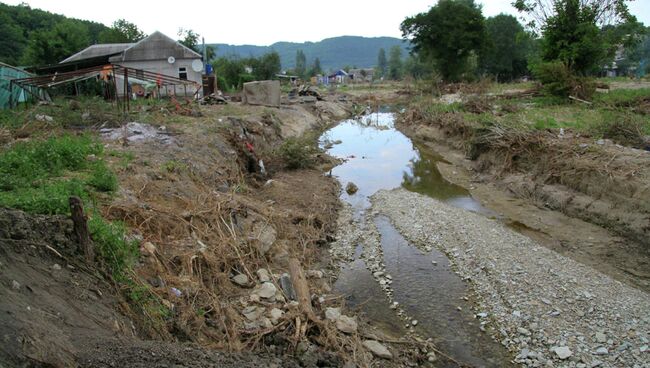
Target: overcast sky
pixel 264 22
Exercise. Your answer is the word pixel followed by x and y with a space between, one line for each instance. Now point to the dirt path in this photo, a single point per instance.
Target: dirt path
pixel 546 308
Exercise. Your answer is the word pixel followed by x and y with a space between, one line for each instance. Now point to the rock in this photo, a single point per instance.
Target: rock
pixel 267 290
pixel 346 324
pixel 351 188
pixel 44 118
pixel 562 352
pixel 56 267
pixel 276 314
pixel 15 285
pixel 252 313
pixel 414 322
pixel 265 323
pixel 378 274
pixel 315 274
pixel 332 314
pixel 287 286
pixel 263 275
pixel 377 349
pixel 643 349
pixel 241 279
pixel 602 351
pixel 523 331
pixel 482 315
pixel 266 234
pixel 149 248
pixel 601 337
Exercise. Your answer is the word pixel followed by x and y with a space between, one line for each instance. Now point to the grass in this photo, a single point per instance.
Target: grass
pixel 620 97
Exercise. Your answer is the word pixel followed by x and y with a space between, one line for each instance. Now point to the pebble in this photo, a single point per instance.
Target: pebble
pixel 602 351
pixel 56 267
pixel 263 275
pixel 414 322
pixel 377 349
pixel 332 314
pixel 267 290
pixel 241 279
pixel 601 337
pixel 15 285
pixel 562 352
pixel 346 324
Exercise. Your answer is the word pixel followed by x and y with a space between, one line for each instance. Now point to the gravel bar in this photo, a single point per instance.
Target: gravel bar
pixel 549 310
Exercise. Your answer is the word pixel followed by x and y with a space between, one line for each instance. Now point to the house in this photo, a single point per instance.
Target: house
pixel 362 75
pixel 340 77
pixel 155 53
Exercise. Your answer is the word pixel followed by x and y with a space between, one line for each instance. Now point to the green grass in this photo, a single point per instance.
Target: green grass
pixel 622 96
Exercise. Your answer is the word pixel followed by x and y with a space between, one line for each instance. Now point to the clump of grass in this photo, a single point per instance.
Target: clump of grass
pixel 102 178
pixel 173 166
pixel 112 246
pixel 296 153
pixel 49 198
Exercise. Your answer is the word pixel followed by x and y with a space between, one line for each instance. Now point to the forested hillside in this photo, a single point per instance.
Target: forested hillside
pixel 333 52
pixel 33 36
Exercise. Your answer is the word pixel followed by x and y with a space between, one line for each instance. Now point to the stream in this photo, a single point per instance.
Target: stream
pixel 377 156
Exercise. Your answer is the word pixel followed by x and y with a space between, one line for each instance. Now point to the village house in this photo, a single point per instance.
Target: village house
pixel 362 75
pixel 155 53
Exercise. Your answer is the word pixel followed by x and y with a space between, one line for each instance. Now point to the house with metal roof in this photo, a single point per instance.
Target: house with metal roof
pixel 155 53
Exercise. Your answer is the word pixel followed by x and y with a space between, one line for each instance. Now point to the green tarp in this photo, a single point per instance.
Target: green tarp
pixel 7 73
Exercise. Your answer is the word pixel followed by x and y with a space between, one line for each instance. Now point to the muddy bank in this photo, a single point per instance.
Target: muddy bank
pixel 559 189
pixel 545 308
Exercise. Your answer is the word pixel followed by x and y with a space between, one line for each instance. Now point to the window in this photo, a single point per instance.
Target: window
pixel 182 73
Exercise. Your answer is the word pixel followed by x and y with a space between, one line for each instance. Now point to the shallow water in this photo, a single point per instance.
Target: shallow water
pixel 377 156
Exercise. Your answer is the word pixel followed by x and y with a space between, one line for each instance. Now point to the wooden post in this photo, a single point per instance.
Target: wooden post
pixel 11 94
pixel 300 286
pixel 81 228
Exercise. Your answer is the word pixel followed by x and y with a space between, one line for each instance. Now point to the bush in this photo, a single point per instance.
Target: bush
pixel 102 178
pixel 112 246
pixel 296 154
pixel 558 80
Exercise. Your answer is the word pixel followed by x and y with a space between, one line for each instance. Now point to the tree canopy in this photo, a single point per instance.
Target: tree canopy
pixel 507 48
pixel 382 63
pixel 448 34
pixel 122 31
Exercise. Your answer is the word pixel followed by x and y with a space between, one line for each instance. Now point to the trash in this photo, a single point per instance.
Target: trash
pixel 309 91
pixel 176 292
pixel 213 99
pixel 44 118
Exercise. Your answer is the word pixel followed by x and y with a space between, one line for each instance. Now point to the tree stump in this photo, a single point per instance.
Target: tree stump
pixel 81 228
pixel 300 286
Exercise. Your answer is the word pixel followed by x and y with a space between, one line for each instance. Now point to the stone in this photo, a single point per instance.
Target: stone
pixel 263 275
pixel 377 349
pixel 252 313
pixel 351 188
pixel 315 274
pixel 523 331
pixel 562 352
pixel 643 349
pixel 15 285
pixel 601 337
pixel 56 267
pixel 241 279
pixel 276 314
pixel 414 322
pixel 267 290
pixel 149 247
pixel 332 314
pixel 346 324
pixel 602 351
pixel 287 286
pixel 266 234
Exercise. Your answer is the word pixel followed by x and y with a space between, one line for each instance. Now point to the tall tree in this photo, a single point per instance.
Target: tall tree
pixel 12 40
pixel 315 68
pixel 52 46
pixel 301 63
pixel 382 64
pixel 122 31
pixel 571 29
pixel 267 66
pixel 395 63
pixel 189 39
pixel 447 34
pixel 508 45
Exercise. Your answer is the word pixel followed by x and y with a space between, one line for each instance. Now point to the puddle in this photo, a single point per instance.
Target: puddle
pixel 380 157
pixel 377 156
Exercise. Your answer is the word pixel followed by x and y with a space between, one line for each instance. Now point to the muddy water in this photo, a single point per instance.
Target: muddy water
pixel 377 156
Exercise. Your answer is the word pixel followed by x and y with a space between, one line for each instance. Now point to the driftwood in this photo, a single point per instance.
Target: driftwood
pixel 301 287
pixel 81 228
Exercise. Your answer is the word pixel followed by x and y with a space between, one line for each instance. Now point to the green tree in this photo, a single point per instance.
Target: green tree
pixel 52 46
pixel 315 68
pixel 382 64
pixel 267 66
pixel 395 63
pixel 505 55
pixel 571 30
pixel 448 34
pixel 417 68
pixel 122 31
pixel 12 40
pixel 189 39
pixel 301 63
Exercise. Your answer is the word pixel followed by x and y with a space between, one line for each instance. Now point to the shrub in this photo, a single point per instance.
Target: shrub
pixel 112 246
pixel 102 178
pixel 558 80
pixel 296 154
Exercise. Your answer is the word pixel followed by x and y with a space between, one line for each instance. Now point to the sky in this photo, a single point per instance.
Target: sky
pixel 263 22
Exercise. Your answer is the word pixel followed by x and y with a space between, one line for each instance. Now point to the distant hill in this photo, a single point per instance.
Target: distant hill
pixel 334 53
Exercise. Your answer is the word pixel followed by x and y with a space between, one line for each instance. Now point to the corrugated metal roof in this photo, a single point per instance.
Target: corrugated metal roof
pixel 156 46
pixel 105 49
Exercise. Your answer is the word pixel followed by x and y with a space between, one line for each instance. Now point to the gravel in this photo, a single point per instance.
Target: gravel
pixel 548 310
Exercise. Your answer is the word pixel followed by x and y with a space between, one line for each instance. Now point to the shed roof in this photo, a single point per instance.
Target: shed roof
pixel 99 50
pixel 156 46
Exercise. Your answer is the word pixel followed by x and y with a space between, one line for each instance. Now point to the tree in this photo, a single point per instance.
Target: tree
pixel 315 68
pixel 572 30
pixel 267 66
pixel 508 45
pixel 447 34
pixel 121 31
pixel 395 63
pixel 189 39
pixel 301 63
pixel 11 40
pixel 52 46
pixel 382 64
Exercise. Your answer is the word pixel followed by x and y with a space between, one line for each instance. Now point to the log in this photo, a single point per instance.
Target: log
pixel 300 286
pixel 81 228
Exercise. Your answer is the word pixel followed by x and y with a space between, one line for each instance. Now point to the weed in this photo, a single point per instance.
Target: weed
pixel 102 178
pixel 112 246
pixel 296 153
pixel 49 198
pixel 173 166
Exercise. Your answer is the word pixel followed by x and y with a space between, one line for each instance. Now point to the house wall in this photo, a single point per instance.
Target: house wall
pixel 163 67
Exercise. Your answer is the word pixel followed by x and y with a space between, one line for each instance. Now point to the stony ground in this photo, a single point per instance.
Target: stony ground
pixel 547 309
